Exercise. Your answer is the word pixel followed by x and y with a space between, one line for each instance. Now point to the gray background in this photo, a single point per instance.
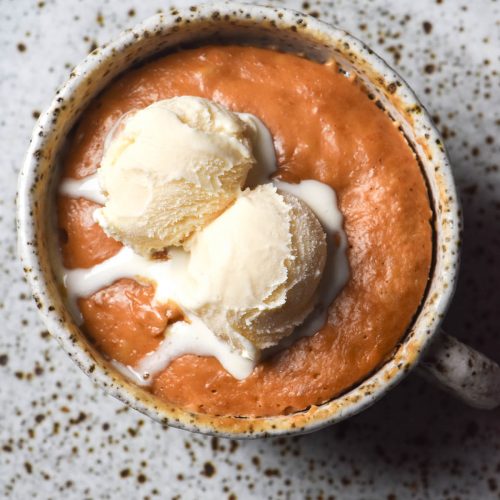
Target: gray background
pixel 61 437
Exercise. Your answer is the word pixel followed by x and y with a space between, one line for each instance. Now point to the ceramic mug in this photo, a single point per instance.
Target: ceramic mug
pixel 458 368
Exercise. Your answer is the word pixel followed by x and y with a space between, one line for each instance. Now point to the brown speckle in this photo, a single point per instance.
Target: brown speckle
pixel 272 472
pixel 392 87
pixel 427 26
pixel 39 418
pixel 125 473
pixel 21 47
pixel 492 483
pixel 215 443
pixel 429 68
pixel 4 359
pixel 208 469
pixel 78 420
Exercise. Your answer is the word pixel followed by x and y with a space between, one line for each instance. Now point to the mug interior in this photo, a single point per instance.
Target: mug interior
pixel 283 30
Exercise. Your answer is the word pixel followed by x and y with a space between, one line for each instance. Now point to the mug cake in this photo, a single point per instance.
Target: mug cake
pixel 242 231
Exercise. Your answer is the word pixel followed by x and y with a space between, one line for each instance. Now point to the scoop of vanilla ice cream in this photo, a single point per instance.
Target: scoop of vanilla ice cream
pixel 171 168
pixel 254 270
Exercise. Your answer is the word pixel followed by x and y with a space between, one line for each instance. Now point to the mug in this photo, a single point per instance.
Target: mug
pixel 440 358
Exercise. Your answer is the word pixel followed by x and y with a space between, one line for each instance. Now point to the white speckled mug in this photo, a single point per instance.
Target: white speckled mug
pixel 456 367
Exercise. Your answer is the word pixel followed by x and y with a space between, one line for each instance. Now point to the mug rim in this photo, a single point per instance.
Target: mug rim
pixel 354 400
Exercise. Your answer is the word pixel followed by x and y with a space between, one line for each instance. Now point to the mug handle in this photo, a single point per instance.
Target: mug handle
pixel 462 371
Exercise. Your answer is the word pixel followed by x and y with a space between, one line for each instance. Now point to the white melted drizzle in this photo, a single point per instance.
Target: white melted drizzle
pixel 187 338
pixel 83 188
pixel 322 200
pixel 193 336
pixel 88 187
pixel 114 128
pixel 182 337
pixel 264 154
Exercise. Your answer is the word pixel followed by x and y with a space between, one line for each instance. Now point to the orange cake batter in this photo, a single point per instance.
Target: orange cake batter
pixel 325 128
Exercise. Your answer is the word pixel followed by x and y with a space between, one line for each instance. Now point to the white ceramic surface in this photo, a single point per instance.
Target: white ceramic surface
pixel 346 482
